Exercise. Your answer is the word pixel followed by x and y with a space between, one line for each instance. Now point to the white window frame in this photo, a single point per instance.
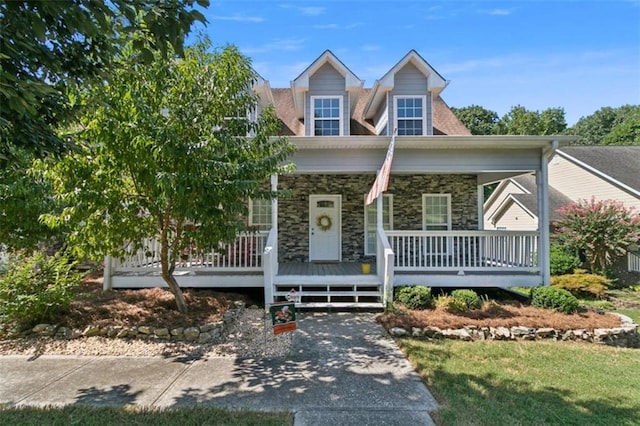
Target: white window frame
pixel 424 211
pixel 262 226
pixel 387 227
pixel 424 112
pixel 312 131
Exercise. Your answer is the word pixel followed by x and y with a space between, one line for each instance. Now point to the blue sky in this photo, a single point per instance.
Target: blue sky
pixel 578 55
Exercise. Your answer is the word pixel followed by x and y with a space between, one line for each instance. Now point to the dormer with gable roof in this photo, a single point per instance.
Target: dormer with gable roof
pixel 403 98
pixel 325 95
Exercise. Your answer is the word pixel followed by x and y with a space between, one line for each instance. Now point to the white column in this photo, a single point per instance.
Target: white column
pixel 542 182
pixel 106 274
pixel 480 207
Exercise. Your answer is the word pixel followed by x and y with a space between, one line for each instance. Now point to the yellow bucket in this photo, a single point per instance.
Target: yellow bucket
pixel 366 268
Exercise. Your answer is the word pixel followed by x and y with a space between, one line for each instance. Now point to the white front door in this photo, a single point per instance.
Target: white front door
pixel 324 228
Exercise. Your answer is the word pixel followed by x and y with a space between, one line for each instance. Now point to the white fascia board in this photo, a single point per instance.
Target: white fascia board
pixel 600 174
pixel 497 193
pixel 499 212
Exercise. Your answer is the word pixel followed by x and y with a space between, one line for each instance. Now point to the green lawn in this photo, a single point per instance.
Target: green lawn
pixel 529 383
pixel 106 416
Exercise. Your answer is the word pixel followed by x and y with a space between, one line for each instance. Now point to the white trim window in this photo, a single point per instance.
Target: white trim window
pixel 260 213
pixel 436 212
pixel 326 115
pixel 371 220
pixel 410 115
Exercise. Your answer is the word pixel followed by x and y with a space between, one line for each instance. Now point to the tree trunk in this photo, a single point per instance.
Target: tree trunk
pixel 168 266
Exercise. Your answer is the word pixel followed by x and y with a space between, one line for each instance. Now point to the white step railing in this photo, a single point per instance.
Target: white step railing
pixel 245 254
pixel 464 250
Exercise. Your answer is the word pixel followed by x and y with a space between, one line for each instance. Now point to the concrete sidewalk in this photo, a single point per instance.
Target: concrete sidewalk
pixel 343 369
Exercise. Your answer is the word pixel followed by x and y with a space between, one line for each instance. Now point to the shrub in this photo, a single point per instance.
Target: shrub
pixel 451 304
pixel 415 297
pixel 469 297
pixel 554 298
pixel 561 260
pixel 583 285
pixel 35 288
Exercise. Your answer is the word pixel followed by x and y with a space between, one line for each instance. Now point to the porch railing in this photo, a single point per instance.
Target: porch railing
pixel 464 250
pixel 244 254
pixel 384 265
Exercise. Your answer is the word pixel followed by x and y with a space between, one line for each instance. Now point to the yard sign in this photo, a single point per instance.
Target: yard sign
pixel 283 317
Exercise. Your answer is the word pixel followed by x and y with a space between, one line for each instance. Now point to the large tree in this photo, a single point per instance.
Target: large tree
pixel 609 126
pixel 520 121
pixel 48 46
pixel 479 120
pixel 167 156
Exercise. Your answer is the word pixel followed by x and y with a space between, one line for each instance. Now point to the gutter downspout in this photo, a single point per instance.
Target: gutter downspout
pixel 542 181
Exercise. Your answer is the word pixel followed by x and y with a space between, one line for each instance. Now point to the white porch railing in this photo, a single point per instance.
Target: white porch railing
pixel 245 254
pixel 634 262
pixel 464 250
pixel 384 265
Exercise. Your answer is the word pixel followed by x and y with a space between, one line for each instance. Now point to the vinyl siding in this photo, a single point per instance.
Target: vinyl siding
pixel 326 81
pixel 510 188
pixel 578 183
pixel 515 218
pixel 409 81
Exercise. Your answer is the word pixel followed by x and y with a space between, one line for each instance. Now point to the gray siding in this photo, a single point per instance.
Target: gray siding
pixel 326 81
pixel 407 190
pixel 409 81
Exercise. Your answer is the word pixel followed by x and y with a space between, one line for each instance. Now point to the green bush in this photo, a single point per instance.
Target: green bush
pixel 34 288
pixel 415 297
pixel 469 297
pixel 583 285
pixel 554 298
pixel 451 304
pixel 561 260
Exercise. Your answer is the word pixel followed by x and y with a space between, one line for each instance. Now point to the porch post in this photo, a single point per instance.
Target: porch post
pixel 270 255
pixel 542 181
pixel 274 207
pixel 480 207
pixel 106 274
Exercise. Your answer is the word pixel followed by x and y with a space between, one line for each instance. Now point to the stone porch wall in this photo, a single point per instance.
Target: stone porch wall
pixel 407 190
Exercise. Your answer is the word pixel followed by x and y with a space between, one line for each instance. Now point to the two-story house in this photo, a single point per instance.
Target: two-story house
pixel 427 228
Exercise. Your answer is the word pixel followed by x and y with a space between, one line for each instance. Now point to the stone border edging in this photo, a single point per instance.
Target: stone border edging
pixel 200 334
pixel 624 336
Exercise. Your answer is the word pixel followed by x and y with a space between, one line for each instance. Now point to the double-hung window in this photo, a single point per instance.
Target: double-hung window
pixel 410 115
pixel 327 115
pixel 260 213
pixel 436 216
pixel 371 220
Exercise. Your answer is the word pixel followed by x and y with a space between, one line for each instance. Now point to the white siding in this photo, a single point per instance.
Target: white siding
pixel 578 183
pixel 515 218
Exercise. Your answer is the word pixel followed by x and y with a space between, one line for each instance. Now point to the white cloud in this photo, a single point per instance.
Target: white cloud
pixel 370 47
pixel 281 45
pixel 305 10
pixel 497 12
pixel 238 18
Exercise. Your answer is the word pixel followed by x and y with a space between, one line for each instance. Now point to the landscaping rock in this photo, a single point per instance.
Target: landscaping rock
pixel 91 331
pixel 398 332
pixel 191 333
pixel 546 333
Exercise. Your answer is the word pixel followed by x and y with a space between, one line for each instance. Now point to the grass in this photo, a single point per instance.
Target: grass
pixel 634 314
pixel 106 416
pixel 529 383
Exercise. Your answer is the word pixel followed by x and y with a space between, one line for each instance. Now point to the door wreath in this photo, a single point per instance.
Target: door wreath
pixel 323 222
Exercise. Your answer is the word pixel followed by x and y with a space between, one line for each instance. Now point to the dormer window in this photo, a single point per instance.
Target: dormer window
pixel 410 115
pixel 327 115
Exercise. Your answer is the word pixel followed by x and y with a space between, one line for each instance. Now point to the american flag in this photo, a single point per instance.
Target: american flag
pixel 382 179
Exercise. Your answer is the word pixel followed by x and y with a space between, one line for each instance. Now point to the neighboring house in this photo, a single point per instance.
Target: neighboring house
pixel 427 228
pixel 575 173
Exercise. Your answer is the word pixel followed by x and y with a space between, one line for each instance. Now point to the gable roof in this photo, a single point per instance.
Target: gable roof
pixel 619 165
pixel 435 82
pixel 300 84
pixel 444 120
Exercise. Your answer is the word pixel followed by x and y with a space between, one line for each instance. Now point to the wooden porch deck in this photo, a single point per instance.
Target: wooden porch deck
pixel 323 268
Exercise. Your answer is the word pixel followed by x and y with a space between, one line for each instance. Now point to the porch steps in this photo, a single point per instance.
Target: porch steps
pixel 325 291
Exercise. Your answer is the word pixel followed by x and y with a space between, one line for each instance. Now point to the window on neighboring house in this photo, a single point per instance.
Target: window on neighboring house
pixel 436 216
pixel 410 115
pixel 327 116
pixel 260 213
pixel 370 222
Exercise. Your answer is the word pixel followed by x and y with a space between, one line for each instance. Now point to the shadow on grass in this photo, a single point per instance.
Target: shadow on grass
pixel 490 399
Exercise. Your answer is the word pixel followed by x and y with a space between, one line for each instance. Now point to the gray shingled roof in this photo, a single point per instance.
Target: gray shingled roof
pixel 620 162
pixel 530 201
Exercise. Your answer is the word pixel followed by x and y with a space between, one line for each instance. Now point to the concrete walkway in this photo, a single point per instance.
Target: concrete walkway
pixel 342 370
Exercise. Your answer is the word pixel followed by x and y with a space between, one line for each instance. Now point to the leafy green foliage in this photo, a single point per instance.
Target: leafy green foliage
pixel 469 297
pixel 554 298
pixel 47 47
pixel 167 147
pixel 520 121
pixel 562 260
pixel 583 285
pixel 451 304
pixel 415 297
pixel 478 120
pixel 603 229
pixel 609 126
pixel 36 287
